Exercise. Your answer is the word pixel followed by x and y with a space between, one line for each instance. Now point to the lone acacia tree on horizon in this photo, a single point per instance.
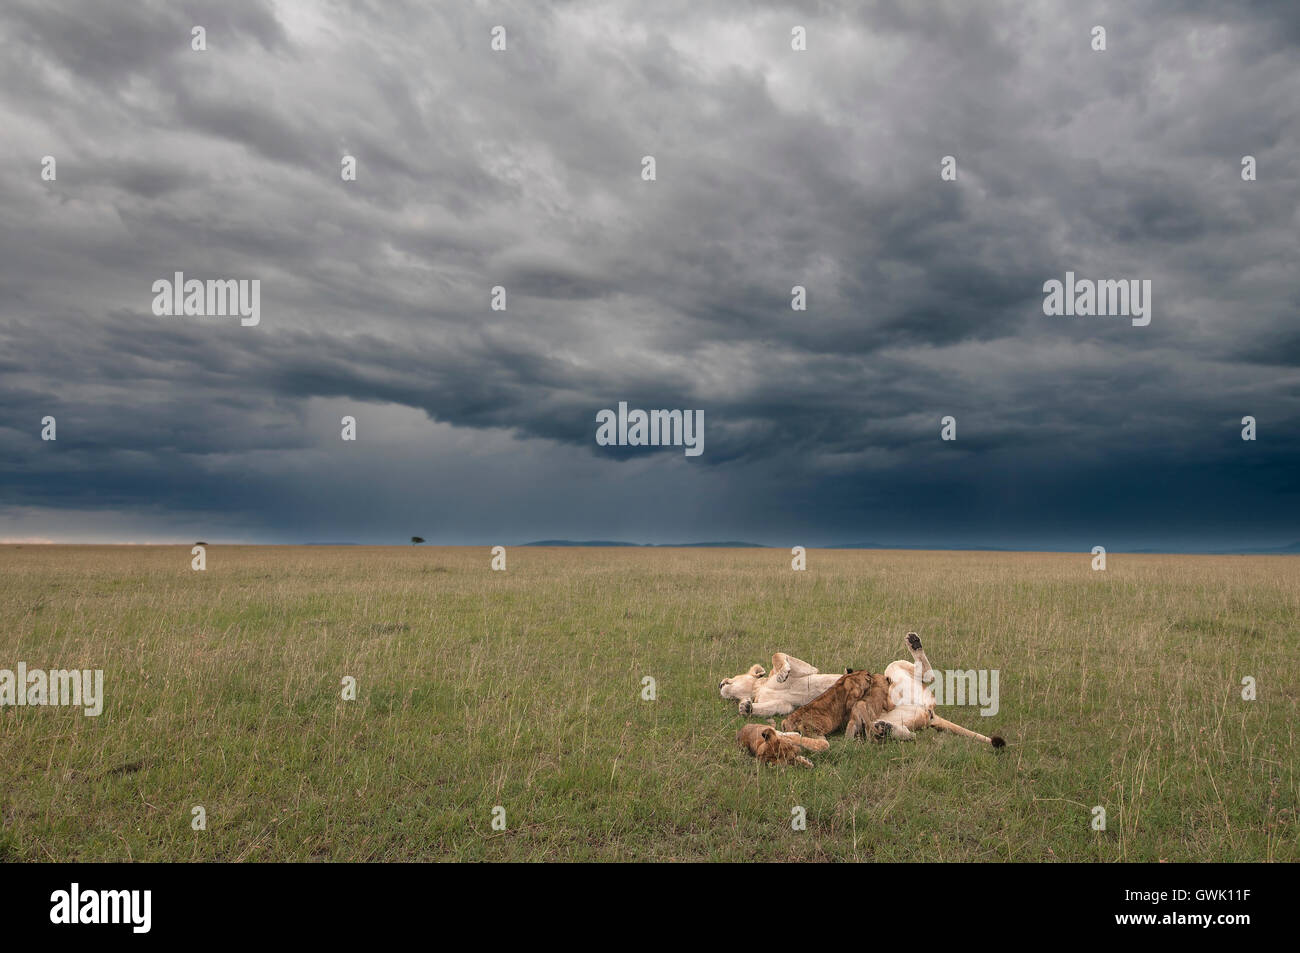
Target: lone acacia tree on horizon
pixel 416 540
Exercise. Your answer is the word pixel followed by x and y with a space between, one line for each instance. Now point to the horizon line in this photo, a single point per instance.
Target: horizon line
pixel 1285 550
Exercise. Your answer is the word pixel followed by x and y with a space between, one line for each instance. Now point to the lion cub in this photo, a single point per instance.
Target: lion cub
pixel 770 746
pixel 853 703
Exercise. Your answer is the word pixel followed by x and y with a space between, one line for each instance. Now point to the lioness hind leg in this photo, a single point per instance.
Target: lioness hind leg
pixel 943 724
pixel 884 730
pixel 783 666
pixel 898 724
pixel 780 667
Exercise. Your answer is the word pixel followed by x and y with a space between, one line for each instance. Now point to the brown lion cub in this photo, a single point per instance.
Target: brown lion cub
pixel 854 703
pixel 775 747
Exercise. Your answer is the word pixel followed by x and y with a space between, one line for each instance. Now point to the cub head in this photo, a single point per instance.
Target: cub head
pixel 858 683
pixel 754 737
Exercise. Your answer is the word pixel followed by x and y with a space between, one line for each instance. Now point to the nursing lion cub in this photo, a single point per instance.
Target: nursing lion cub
pixel 778 747
pixel 855 702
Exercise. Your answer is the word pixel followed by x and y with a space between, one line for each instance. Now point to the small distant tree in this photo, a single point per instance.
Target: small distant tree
pixel 416 540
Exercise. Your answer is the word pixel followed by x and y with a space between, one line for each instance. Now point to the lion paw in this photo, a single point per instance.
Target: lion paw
pixel 746 707
pixel 913 641
pixel 881 731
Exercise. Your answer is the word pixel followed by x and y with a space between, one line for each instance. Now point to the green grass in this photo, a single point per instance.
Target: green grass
pixel 523 689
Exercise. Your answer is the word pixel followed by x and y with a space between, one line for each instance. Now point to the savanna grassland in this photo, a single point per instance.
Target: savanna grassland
pixel 524 689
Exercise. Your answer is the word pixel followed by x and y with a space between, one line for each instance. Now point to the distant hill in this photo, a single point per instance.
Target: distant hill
pixel 604 542
pixel 948 548
pixel 570 542
pixel 1293 548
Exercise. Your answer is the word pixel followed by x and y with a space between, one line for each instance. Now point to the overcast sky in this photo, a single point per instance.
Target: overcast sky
pixel 774 168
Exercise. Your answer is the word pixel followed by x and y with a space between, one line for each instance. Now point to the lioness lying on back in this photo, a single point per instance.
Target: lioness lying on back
pixel 911 702
pixel 778 747
pixel 792 682
pixel 907 706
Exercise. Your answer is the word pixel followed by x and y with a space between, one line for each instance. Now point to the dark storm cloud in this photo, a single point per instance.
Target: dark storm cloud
pixel 775 168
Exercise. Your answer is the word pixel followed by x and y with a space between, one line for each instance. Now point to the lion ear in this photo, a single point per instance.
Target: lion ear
pixel 768 733
pixel 848 671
